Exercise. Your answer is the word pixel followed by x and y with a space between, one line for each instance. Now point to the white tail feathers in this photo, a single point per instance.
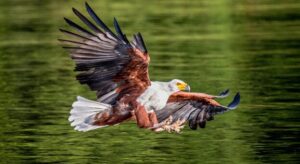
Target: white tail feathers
pixel 83 112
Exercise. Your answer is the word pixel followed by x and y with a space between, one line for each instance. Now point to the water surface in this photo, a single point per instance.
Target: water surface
pixel 247 46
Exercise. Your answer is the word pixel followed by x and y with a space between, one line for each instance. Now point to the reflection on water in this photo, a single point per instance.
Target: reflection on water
pixel 247 46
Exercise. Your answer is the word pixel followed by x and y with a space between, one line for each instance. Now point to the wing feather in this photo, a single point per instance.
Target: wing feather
pixel 79 28
pixel 86 21
pixel 107 62
pixel 119 31
pixel 98 20
pixel 89 50
pixel 194 110
pixel 75 35
pixel 78 45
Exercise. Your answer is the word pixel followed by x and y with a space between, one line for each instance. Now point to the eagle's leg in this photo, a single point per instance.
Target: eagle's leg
pixel 149 120
pixel 154 121
pixel 153 118
pixel 142 118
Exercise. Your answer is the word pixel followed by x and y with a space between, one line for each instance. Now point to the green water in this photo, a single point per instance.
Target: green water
pixel 247 46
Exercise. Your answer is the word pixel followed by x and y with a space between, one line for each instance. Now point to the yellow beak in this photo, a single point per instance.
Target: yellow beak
pixel 183 87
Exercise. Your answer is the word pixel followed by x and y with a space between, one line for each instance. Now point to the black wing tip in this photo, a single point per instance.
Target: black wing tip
pixel 89 9
pixel 202 124
pixel 192 125
pixel 63 30
pixel 120 33
pixel 75 11
pixel 140 42
pixel 98 20
pixel 87 4
pixel 235 102
pixel 117 27
pixel 224 93
pixel 68 21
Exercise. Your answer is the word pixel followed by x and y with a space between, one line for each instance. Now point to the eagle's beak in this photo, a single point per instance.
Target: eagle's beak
pixel 187 88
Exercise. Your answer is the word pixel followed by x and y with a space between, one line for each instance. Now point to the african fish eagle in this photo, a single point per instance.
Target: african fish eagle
pixel 117 70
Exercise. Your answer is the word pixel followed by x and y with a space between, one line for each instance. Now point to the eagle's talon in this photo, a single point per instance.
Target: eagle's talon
pixel 177 126
pixel 165 125
pixel 158 130
pixel 162 124
pixel 169 120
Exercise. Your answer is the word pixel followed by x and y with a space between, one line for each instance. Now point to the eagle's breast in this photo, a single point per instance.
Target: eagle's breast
pixel 155 97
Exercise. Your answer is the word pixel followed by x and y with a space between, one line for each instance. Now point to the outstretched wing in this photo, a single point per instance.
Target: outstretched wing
pixel 194 108
pixel 107 62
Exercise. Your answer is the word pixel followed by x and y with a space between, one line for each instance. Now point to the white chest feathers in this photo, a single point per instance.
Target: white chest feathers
pixel 155 97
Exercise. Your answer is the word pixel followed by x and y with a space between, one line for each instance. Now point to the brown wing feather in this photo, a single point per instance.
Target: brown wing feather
pixel 135 74
pixel 194 108
pixel 107 62
pixel 182 96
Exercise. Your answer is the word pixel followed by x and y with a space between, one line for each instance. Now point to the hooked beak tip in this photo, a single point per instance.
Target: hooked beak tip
pixel 187 88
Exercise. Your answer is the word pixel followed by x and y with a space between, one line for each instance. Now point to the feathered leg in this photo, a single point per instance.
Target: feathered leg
pixel 142 117
pixel 153 118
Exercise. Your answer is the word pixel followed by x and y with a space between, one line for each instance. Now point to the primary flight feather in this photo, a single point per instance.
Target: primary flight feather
pixel 117 70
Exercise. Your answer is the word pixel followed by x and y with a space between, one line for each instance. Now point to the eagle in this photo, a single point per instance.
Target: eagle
pixel 117 70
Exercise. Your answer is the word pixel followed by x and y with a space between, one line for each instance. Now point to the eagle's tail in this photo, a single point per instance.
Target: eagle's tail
pixel 83 112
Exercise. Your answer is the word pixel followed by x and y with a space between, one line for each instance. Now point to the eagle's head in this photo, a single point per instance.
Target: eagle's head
pixel 178 85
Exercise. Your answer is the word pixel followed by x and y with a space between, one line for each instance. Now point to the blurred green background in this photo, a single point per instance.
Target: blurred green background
pixel 251 46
